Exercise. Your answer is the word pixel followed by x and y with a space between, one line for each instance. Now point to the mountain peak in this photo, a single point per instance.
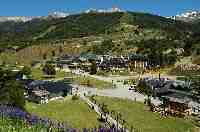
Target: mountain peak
pixel 188 16
pixel 59 14
pixel 56 14
pixel 15 18
pixel 110 10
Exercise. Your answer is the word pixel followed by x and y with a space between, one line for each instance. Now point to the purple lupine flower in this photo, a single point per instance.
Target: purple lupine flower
pixel 14 112
pixel 85 130
pixel 101 130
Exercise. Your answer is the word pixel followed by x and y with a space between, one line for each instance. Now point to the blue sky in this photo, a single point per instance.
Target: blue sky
pixel 42 7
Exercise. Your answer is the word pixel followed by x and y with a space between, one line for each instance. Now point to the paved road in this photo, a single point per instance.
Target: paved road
pixel 121 90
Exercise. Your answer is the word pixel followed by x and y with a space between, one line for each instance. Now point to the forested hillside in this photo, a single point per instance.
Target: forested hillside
pixel 125 30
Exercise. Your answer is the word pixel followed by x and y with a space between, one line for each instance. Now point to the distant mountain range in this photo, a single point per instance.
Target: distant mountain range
pixel 56 14
pixel 190 16
pixel 131 28
pixel 29 18
pixel 94 22
pixel 15 18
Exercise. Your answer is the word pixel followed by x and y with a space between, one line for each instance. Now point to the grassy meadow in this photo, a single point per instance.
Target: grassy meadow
pixel 36 52
pixel 135 115
pixel 92 82
pixel 74 112
pixel 39 75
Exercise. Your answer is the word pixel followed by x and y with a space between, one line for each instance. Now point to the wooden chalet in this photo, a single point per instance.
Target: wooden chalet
pixel 138 61
pixel 68 62
pixel 39 96
pixel 41 90
pixel 180 101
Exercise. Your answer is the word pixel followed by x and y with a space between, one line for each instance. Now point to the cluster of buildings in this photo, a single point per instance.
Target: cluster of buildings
pixel 188 68
pixel 178 95
pixel 41 91
pixel 103 62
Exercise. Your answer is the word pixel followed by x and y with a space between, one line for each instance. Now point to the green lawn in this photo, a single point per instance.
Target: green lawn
pixel 76 112
pixel 92 82
pixel 89 81
pixel 122 73
pixel 145 121
pixel 110 73
pixel 38 74
pixel 77 79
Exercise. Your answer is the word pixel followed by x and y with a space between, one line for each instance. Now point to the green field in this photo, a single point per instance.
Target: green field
pixel 120 73
pixel 135 115
pixel 92 82
pixel 77 79
pixel 38 74
pixel 89 81
pixel 74 112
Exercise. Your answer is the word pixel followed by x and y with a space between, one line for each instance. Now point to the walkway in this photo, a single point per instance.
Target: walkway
pixel 121 90
pixel 110 120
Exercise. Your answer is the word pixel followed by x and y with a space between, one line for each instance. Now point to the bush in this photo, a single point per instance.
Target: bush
pixel 93 69
pixel 49 69
pixel 102 73
pixel 196 60
pixel 11 90
pixel 75 97
pixel 26 70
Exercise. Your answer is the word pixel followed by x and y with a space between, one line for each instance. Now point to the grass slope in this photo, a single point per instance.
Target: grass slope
pixel 77 113
pixel 92 82
pixel 86 24
pixel 145 121
pixel 39 75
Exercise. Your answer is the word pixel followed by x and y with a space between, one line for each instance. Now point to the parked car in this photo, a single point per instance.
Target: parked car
pixel 132 87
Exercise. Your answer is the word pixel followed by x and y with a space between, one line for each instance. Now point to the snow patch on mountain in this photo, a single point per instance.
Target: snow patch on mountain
pixel 187 16
pixel 58 14
pixel 110 10
pixel 15 18
pixel 27 18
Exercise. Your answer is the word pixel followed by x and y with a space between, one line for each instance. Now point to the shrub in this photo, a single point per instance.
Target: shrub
pixel 102 73
pixel 196 60
pixel 75 97
pixel 49 69
pixel 11 91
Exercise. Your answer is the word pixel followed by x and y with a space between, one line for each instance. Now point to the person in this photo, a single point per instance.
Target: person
pixel 113 126
pixel 162 114
pixel 145 101
pixel 132 130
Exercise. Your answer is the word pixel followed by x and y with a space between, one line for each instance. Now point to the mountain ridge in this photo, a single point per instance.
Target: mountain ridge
pixel 188 16
pixel 100 33
pixel 119 26
pixel 78 20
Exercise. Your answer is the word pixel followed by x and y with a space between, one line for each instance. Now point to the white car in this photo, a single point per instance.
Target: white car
pixel 132 87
